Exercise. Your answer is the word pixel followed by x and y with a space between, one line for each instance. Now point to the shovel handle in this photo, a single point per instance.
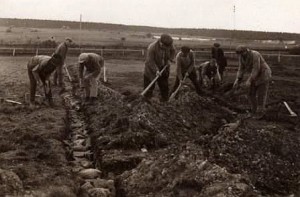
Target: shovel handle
pixel 153 81
pixel 289 109
pixel 177 89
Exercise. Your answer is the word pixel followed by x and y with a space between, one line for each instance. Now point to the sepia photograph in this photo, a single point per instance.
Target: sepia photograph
pixel 149 98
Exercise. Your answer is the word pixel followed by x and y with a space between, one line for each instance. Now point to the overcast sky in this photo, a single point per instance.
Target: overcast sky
pixel 258 15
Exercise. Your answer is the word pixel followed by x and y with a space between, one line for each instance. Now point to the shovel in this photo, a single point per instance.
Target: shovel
pixel 153 81
pixel 176 91
pixel 292 113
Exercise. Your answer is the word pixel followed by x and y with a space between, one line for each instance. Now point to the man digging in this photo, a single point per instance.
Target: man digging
pixel 39 69
pixel 160 54
pixel 92 63
pixel 258 81
pixel 185 68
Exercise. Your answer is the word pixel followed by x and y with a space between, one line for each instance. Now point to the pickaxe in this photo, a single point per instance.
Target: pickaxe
pixel 154 80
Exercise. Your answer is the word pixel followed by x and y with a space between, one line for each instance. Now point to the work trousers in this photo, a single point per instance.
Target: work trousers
pixel 258 96
pixel 163 85
pixel 58 75
pixel 193 78
pixel 33 86
pixel 91 86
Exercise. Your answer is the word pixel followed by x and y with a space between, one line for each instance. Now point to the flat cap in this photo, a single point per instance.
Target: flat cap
pixel 69 39
pixel 240 49
pixel 166 39
pixel 185 49
pixel 217 44
pixel 83 57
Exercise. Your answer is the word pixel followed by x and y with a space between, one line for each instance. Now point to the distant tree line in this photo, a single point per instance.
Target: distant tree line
pixel 217 33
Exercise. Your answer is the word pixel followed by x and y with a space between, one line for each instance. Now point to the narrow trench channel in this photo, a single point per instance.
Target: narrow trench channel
pixel 80 152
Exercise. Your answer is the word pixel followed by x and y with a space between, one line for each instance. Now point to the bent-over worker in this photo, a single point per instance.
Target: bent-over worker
pixel 92 63
pixel 258 80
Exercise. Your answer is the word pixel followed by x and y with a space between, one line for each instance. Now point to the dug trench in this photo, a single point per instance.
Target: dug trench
pixel 192 146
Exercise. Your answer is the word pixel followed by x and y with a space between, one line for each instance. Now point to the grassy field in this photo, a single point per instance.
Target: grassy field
pixel 115 38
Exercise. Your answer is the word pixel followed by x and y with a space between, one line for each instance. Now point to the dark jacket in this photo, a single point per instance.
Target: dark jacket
pixel 157 58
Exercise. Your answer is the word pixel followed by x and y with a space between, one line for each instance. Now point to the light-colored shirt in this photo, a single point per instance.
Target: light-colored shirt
pixel 254 63
pixel 184 63
pixel 92 63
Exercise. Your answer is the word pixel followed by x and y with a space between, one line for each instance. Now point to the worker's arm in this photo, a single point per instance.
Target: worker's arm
pixel 150 59
pixel 36 75
pixel 192 64
pixel 239 75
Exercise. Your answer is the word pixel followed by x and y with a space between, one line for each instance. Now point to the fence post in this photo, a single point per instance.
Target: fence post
pixel 143 52
pixel 102 52
pixel 14 52
pixel 123 52
pixel 37 52
pixel 278 57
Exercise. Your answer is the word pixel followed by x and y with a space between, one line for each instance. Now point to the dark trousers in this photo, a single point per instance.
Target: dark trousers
pixel 193 78
pixel 163 85
pixel 32 83
pixel 258 97
pixel 58 76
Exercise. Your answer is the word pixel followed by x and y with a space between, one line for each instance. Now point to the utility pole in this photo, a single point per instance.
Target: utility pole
pixel 233 30
pixel 80 32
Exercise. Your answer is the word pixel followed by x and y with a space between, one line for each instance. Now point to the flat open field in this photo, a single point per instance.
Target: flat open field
pixel 193 146
pixel 115 38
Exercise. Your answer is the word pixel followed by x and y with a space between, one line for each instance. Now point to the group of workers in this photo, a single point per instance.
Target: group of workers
pixel 160 55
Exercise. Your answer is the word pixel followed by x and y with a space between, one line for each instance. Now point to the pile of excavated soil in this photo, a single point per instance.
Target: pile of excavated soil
pixel 152 148
pixel 194 146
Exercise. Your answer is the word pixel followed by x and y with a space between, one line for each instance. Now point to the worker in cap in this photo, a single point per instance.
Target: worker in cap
pixel 218 54
pixel 159 54
pixel 92 63
pixel 185 62
pixel 208 73
pixel 62 50
pixel 39 69
pixel 258 80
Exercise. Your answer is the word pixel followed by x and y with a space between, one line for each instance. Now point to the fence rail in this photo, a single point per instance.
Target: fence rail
pixel 200 56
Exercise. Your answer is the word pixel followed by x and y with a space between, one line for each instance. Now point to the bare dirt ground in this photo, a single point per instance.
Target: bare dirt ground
pixel 32 157
pixel 193 146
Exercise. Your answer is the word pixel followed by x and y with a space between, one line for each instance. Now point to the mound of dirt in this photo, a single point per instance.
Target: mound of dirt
pixel 267 151
pixel 182 171
pixel 138 142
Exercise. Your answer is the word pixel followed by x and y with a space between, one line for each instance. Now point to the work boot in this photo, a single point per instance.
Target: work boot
pixel 86 101
pixel 62 90
pixel 92 100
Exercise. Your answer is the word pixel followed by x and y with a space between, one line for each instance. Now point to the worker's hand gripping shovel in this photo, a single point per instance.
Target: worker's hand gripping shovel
pixel 154 80
pixel 179 86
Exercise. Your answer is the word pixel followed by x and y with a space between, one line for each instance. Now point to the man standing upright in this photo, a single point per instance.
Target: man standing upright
pixel 159 54
pixel 62 50
pixel 257 82
pixel 218 54
pixel 92 63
